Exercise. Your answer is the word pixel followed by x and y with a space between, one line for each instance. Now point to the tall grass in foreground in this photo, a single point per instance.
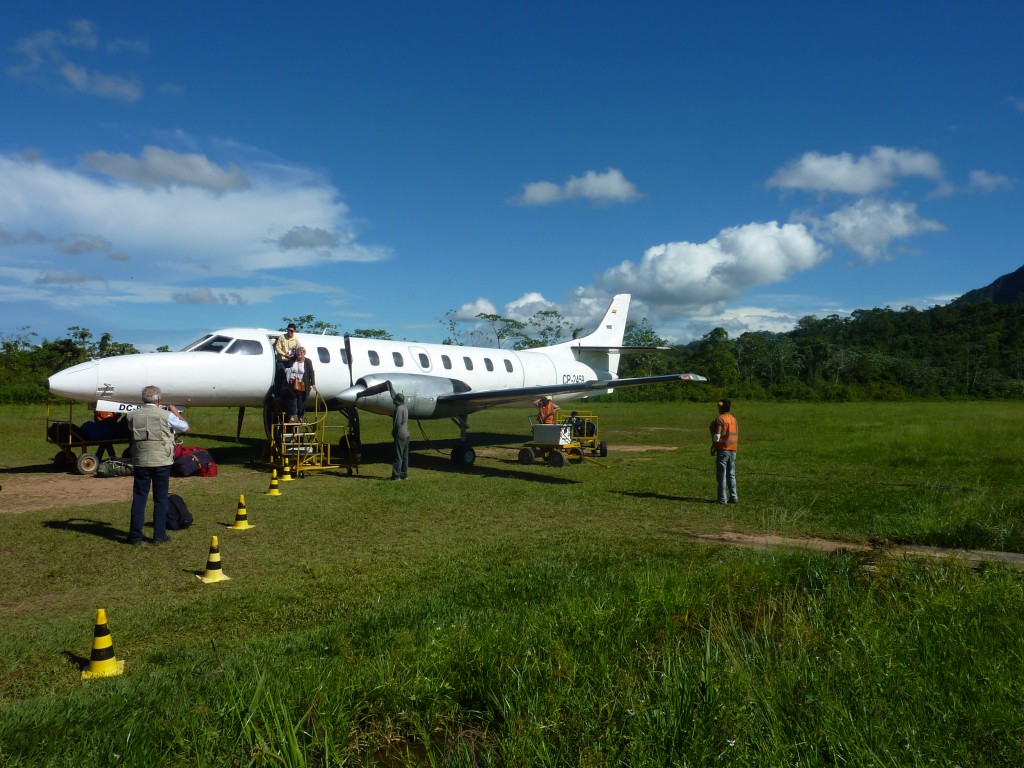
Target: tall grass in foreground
pixel 510 615
pixel 713 658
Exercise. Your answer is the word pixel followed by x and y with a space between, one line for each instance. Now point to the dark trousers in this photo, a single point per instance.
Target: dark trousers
pixel 401 466
pixel 159 478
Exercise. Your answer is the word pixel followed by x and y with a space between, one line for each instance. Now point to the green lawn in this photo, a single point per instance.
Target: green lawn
pixel 511 615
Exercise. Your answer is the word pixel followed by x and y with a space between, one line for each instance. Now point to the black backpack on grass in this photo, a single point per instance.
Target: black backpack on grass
pixel 178 516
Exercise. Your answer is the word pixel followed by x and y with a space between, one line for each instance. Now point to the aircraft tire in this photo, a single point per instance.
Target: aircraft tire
pixel 463 455
pixel 526 456
pixel 87 464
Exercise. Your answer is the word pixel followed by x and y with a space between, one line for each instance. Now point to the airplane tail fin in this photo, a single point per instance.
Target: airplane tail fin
pixel 612 328
pixel 600 348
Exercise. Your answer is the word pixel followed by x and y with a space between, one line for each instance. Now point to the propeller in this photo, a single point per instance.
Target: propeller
pixel 238 426
pixel 376 389
pixel 348 356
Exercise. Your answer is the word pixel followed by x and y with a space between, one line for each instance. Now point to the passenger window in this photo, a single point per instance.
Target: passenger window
pixel 424 361
pixel 374 358
pixel 245 347
pixel 446 362
pixel 468 362
pixel 323 354
pixel 488 364
pixel 397 357
pixel 508 365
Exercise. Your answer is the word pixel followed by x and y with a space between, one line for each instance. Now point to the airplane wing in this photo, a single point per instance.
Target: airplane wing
pixel 487 398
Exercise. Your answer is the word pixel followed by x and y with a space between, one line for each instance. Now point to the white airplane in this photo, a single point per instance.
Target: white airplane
pixel 236 367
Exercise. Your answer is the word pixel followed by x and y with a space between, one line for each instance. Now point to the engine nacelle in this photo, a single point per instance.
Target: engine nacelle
pixel 421 393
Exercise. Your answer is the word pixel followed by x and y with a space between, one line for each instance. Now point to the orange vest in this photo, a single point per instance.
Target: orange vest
pixel 546 414
pixel 726 425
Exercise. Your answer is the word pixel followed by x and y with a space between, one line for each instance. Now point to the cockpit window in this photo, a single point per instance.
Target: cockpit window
pixel 211 344
pixel 245 347
pixel 196 343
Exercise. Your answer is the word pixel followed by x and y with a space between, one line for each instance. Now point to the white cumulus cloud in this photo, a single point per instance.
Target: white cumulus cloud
pixel 598 188
pixel 194 236
pixel 468 311
pixel 983 181
pixel 159 167
pixel 862 175
pixel 684 277
pixel 869 226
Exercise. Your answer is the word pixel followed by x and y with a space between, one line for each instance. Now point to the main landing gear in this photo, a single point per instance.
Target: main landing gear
pixel 463 453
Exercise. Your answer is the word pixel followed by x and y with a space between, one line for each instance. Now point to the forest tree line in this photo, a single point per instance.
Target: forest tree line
pixel 973 350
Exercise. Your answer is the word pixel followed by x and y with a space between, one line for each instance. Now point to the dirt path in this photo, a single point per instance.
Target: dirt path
pixel 40 489
pixel 830 546
pixel 28 491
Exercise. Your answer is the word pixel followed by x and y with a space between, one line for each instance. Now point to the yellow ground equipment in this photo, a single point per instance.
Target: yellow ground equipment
pixel 301 447
pixel 569 439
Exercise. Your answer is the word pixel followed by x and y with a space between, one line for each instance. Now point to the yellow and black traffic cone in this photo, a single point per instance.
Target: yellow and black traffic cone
pixel 274 488
pixel 286 471
pixel 102 662
pixel 241 518
pixel 213 572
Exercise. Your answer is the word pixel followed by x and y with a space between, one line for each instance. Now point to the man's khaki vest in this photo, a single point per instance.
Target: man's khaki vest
pixel 152 438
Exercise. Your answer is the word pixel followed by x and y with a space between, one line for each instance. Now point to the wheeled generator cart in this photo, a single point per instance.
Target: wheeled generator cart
pixel 569 439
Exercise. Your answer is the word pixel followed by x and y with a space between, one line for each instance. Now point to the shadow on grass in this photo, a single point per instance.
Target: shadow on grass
pixel 99 528
pixel 33 469
pixel 443 463
pixel 664 497
pixel 82 662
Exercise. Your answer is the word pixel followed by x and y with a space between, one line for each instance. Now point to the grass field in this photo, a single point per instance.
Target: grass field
pixel 518 616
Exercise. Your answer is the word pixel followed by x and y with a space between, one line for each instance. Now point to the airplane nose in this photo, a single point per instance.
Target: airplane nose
pixel 78 382
pixel 349 396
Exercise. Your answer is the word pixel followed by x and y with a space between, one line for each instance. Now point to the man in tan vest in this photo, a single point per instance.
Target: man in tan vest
pixel 153 430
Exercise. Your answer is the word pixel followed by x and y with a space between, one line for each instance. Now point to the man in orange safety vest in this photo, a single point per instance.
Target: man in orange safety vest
pixel 724 440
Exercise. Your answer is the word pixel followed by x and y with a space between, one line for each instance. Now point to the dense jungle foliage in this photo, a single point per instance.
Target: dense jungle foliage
pixel 961 350
pixel 973 350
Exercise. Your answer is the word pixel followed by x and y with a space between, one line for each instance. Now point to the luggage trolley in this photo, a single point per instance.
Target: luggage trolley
pixel 569 439
pixel 69 436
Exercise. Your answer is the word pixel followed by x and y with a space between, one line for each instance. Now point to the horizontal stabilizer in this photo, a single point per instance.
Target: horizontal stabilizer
pixel 625 350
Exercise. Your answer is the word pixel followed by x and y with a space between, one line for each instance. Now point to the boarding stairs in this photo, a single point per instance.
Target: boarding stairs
pixel 310 445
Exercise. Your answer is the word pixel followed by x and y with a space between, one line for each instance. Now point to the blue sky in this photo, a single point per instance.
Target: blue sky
pixel 166 169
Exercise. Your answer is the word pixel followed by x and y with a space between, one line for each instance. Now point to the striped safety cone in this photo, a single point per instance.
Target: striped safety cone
pixel 286 471
pixel 102 662
pixel 275 489
pixel 241 518
pixel 213 571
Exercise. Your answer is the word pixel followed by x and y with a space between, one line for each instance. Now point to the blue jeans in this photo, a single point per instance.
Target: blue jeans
pixel 725 471
pixel 160 480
